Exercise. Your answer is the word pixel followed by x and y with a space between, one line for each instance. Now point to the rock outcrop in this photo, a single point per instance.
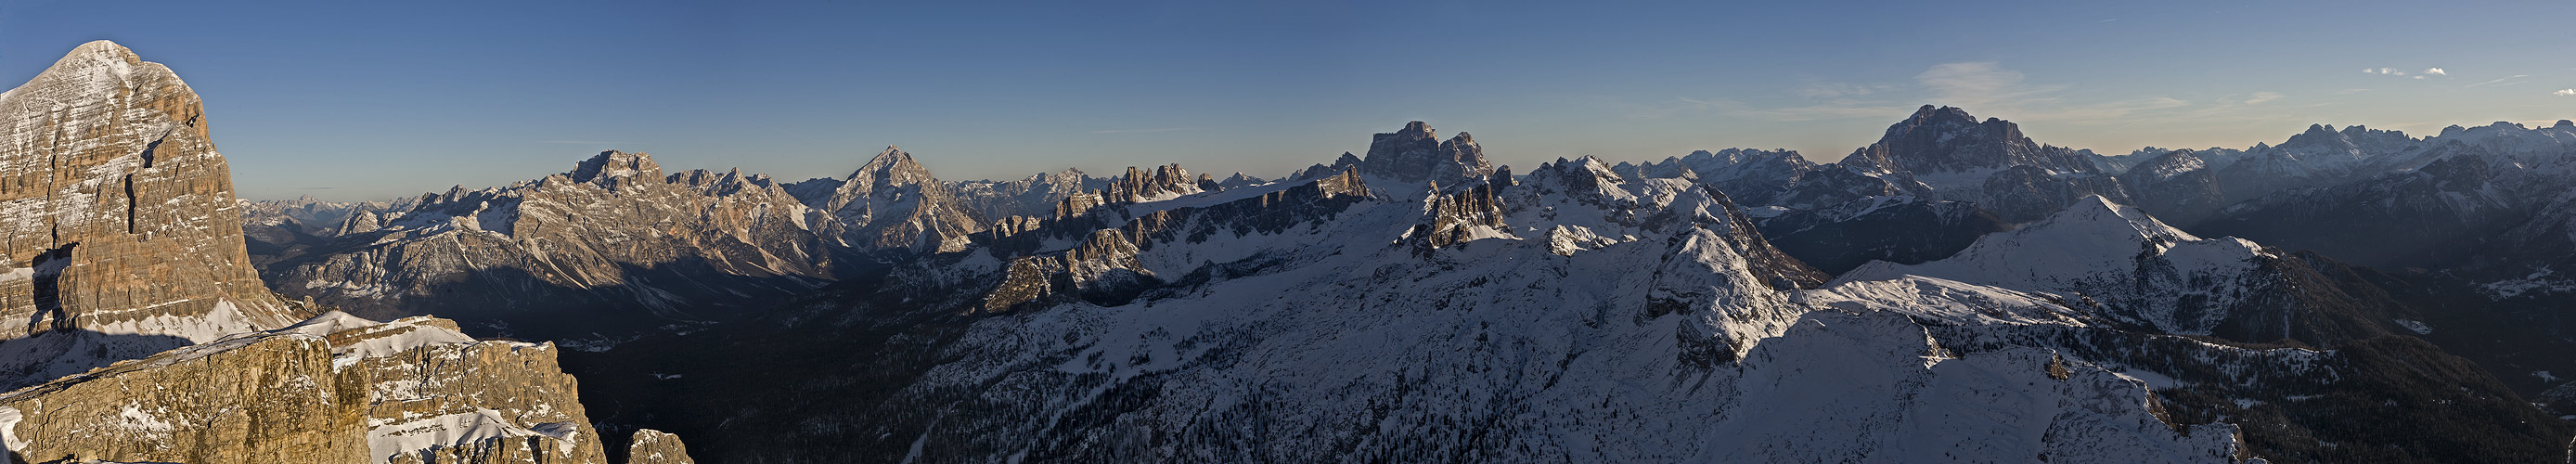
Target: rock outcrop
pixel 332 389
pixel 1416 154
pixel 655 447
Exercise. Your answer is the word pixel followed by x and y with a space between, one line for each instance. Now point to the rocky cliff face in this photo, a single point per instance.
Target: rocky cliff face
pixel 119 235
pixel 332 389
pixel 1416 154
pixel 656 447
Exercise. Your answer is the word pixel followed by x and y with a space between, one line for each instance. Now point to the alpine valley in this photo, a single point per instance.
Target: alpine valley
pixel 1954 292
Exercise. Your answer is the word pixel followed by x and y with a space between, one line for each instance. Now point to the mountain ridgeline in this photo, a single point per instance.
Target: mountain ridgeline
pixel 1954 292
pixel 1419 302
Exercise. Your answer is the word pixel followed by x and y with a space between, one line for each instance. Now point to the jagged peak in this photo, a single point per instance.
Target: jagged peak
pixel 1418 127
pixel 892 166
pixel 614 164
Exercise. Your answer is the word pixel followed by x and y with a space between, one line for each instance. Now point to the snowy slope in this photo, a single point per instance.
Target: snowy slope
pixel 2144 271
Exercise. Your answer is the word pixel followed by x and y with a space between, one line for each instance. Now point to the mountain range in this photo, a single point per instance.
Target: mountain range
pixel 1956 291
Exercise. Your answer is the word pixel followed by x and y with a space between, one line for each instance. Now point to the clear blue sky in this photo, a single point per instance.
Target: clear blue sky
pixel 361 100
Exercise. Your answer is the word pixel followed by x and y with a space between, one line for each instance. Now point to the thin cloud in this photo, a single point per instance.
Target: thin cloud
pixel 1141 131
pixel 1838 89
pixel 1982 86
pixel 2564 92
pixel 580 142
pixel 2436 71
pixel 2383 71
pixel 1844 109
pixel 2506 78
pixel 1978 84
pixel 2260 97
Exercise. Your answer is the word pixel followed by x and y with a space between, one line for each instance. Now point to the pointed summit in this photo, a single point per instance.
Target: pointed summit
pixel 894 203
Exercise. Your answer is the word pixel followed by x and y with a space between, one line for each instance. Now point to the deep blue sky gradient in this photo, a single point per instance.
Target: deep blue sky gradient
pixel 365 100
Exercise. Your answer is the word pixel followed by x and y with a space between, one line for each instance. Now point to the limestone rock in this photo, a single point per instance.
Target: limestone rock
pixel 1416 154
pixel 258 399
pixel 656 447
pixel 332 389
pixel 116 213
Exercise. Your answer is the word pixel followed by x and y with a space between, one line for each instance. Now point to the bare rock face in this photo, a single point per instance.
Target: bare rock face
pixel 1163 183
pixel 116 214
pixel 1454 218
pixel 1416 154
pixel 332 389
pixel 655 447
pixel 257 399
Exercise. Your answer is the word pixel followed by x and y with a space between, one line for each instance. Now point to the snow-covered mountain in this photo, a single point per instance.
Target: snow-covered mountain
pixel 1574 312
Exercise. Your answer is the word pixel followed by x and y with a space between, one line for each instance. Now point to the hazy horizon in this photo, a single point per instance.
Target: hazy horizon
pixel 336 102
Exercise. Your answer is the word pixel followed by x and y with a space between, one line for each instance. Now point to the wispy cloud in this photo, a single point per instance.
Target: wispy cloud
pixel 1978 84
pixel 1839 109
pixel 580 142
pixel 2260 97
pixel 1820 89
pixel 1141 131
pixel 2383 71
pixel 1983 86
pixel 2506 78
pixel 2436 72
pixel 2564 92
